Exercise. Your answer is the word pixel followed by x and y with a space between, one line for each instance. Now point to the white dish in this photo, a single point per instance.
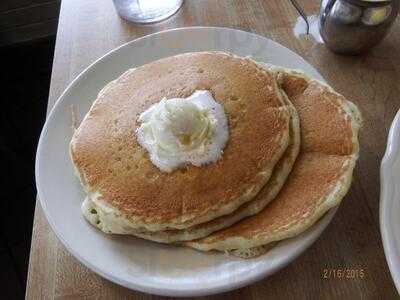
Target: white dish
pixel 135 263
pixel 390 201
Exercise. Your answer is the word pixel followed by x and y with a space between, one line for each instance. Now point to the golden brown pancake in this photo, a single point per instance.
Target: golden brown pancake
pixel 320 177
pixel 268 193
pixel 111 163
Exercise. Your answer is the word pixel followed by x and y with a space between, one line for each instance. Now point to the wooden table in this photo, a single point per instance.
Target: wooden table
pixel 89 29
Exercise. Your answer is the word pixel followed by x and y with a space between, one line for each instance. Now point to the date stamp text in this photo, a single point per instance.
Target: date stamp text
pixel 343 273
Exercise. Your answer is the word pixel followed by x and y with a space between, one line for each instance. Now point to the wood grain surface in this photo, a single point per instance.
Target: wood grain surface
pixel 89 29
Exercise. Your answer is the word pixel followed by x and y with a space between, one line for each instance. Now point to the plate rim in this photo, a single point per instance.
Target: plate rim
pixel 387 199
pixel 321 224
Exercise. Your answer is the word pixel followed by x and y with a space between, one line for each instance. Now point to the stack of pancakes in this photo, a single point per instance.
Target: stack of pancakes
pixel 293 144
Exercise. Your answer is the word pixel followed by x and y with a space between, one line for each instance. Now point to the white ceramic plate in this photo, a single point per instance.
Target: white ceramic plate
pixel 135 263
pixel 390 201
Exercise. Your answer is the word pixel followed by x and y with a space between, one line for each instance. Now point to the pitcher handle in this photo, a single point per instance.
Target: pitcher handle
pixel 301 12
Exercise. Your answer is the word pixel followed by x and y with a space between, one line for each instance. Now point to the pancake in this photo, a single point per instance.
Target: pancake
pixel 122 184
pixel 267 194
pixel 320 178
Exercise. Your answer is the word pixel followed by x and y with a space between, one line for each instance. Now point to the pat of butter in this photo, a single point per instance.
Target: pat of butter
pixel 181 131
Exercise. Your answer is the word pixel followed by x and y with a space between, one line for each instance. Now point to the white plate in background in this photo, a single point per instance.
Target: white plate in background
pixel 390 201
pixel 131 262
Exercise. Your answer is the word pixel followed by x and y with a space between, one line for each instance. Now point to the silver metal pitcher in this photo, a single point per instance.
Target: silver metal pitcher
pixel 354 26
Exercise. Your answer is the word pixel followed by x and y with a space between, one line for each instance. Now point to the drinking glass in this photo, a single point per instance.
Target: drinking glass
pixel 146 11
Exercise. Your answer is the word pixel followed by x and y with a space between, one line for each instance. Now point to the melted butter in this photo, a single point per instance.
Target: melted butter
pixel 181 131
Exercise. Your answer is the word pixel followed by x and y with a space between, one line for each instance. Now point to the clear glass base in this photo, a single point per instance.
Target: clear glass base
pixel 146 11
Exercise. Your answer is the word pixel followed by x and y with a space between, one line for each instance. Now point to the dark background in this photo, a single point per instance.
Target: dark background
pixel 27 38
